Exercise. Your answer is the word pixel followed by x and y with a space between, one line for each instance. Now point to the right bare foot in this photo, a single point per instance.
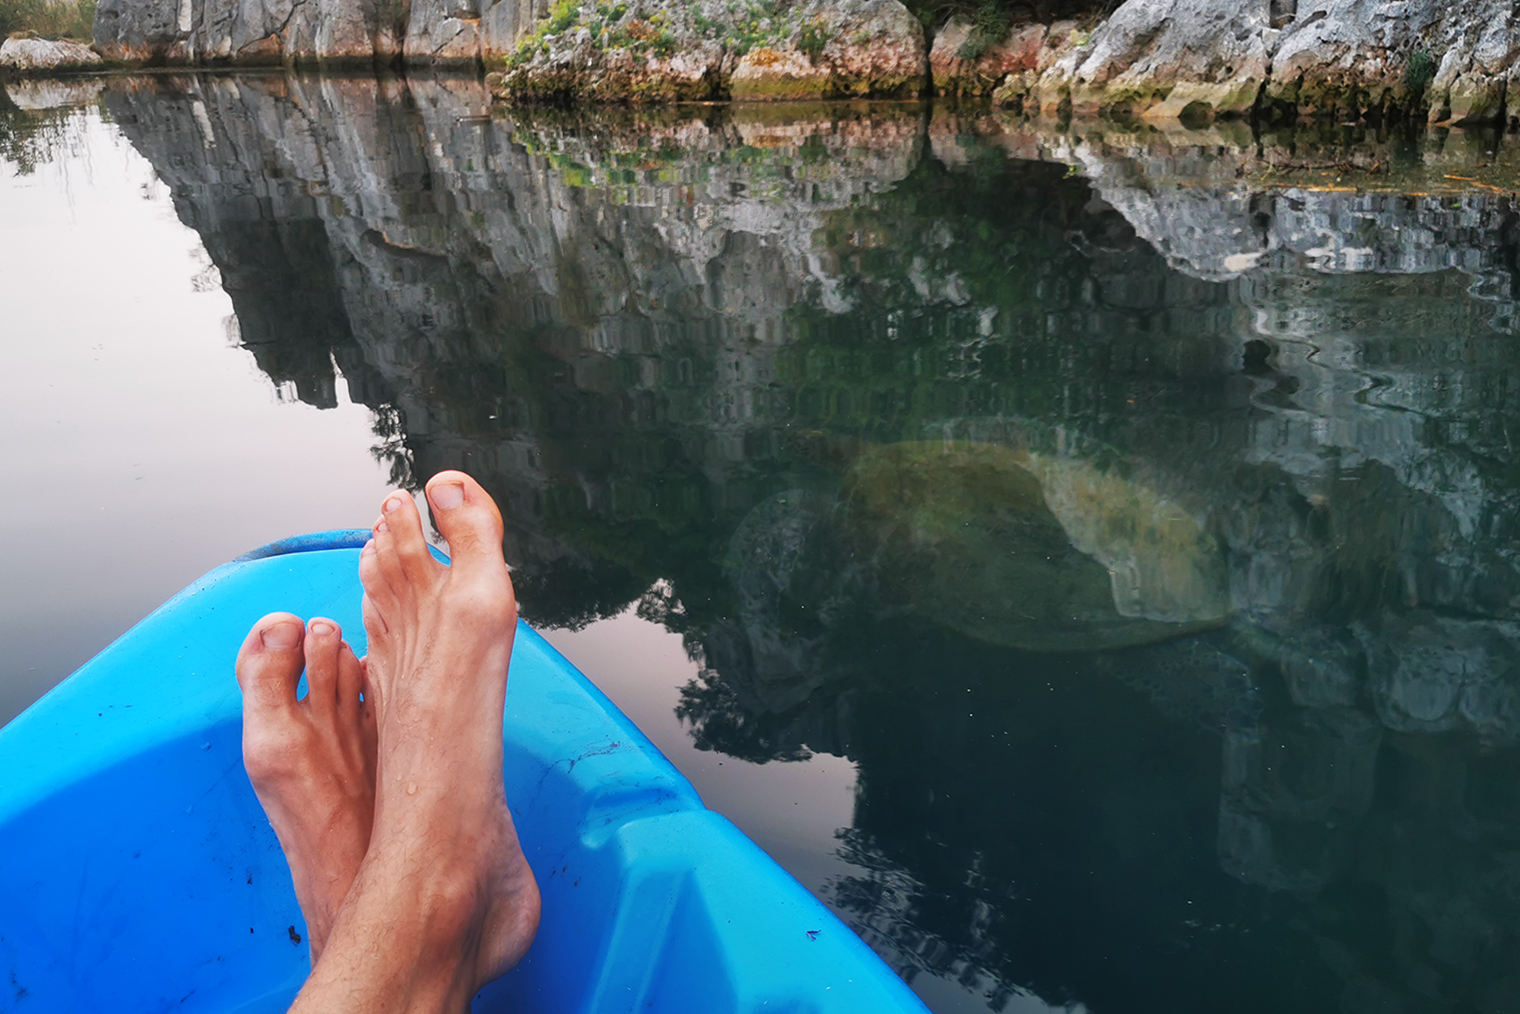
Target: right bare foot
pixel 444 863
pixel 311 761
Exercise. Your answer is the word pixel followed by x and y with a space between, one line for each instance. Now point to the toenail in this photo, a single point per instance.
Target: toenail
pixel 446 495
pixel 381 526
pixel 281 635
pixel 321 627
pixel 391 504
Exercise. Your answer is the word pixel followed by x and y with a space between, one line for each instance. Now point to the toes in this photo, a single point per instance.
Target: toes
pixel 387 559
pixel 467 517
pixel 350 679
pixel 378 597
pixel 323 640
pixel 399 513
pixel 270 662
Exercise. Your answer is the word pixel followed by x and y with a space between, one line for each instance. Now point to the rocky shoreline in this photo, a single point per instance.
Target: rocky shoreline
pixel 1160 60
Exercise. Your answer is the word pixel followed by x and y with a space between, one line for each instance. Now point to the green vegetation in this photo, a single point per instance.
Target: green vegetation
pixel 757 24
pixel 814 37
pixel 1419 71
pixel 48 19
pixel 989 25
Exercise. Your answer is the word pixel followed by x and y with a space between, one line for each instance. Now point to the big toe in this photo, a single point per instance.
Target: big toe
pixel 467 517
pixel 270 662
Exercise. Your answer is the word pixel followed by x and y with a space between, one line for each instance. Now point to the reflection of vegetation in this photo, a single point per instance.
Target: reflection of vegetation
pixel 29 138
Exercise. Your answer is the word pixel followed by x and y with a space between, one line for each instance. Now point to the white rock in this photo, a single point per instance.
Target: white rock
pixel 45 54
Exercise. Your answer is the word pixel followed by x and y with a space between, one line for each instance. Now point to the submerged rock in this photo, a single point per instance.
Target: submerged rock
pixel 1030 550
pixel 34 55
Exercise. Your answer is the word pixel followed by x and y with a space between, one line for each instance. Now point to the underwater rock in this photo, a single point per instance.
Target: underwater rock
pixel 1032 551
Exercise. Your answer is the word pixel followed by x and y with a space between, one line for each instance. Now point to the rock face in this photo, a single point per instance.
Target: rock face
pixel 1165 59
pixel 328 32
pixel 1155 59
pixel 664 50
pixel 34 55
pixel 964 62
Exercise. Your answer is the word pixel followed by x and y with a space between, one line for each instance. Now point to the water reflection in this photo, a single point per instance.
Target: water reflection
pixel 1144 534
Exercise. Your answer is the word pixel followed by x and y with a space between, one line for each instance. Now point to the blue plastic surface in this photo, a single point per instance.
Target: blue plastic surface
pixel 138 872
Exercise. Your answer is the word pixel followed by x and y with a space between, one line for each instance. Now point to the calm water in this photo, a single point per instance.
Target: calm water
pixel 1089 560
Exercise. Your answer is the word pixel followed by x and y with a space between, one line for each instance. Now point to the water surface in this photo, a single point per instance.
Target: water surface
pixel 1086 558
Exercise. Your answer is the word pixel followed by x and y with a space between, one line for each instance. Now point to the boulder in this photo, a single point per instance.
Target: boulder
pixel 962 62
pixel 34 55
pixel 1165 59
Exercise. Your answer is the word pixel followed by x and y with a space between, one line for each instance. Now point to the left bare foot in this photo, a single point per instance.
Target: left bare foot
pixel 311 761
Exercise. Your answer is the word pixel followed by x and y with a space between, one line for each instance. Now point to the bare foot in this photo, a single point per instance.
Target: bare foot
pixel 440 639
pixel 311 761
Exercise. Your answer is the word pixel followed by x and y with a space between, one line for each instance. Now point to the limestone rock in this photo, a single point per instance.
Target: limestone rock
pixel 873 48
pixel 666 50
pixel 1347 58
pixel 1018 89
pixel 766 73
pixel 33 55
pixel 963 64
pixel 1163 59
pixel 330 32
pixel 1192 59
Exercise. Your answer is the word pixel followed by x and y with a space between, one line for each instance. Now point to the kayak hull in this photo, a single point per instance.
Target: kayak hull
pixel 140 872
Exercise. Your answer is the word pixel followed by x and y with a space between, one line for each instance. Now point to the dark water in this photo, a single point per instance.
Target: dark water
pixel 1091 558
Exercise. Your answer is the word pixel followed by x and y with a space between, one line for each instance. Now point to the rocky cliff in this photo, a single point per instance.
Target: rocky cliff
pixel 1156 59
pixel 1162 59
pixel 333 33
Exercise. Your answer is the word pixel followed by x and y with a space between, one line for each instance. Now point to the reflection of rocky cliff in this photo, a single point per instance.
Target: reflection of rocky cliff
pixel 701 360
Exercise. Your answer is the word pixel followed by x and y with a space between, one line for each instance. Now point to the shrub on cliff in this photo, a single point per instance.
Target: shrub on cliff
pixel 49 19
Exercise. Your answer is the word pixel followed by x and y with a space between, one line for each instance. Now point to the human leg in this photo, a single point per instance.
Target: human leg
pixel 311 761
pixel 444 900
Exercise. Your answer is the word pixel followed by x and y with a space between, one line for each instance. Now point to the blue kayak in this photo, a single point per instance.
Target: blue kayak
pixel 138 872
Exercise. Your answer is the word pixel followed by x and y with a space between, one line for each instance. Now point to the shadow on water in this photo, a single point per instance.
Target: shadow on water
pixel 1136 511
